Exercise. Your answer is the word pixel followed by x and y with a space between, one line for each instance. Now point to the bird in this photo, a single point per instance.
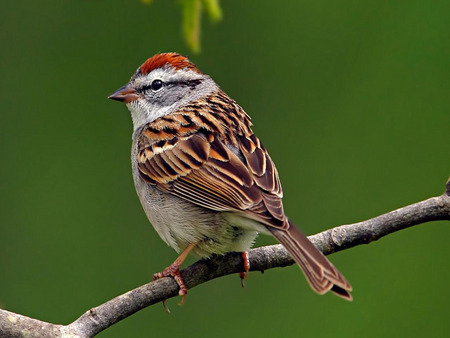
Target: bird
pixel 204 179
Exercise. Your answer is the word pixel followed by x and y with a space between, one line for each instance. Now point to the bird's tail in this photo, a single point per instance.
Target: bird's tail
pixel 320 273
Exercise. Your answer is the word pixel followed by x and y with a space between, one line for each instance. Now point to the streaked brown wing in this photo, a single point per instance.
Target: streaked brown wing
pixel 265 176
pixel 201 169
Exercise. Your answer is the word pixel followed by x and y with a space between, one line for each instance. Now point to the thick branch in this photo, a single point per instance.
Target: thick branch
pixel 343 237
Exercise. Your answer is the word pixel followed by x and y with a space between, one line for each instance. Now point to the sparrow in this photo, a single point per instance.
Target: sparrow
pixel 204 179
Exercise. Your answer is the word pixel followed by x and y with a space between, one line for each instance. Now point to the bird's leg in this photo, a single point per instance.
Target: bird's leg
pixel 244 274
pixel 174 271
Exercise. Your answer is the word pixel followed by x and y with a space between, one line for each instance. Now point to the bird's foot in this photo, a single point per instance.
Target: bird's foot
pixel 174 271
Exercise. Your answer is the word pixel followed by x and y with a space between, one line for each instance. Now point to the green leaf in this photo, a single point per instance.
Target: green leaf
pixel 191 23
pixel 191 18
pixel 212 7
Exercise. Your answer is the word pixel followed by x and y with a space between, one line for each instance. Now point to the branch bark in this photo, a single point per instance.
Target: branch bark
pixel 340 238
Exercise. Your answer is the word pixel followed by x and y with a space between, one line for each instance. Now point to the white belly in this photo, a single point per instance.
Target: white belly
pixel 179 223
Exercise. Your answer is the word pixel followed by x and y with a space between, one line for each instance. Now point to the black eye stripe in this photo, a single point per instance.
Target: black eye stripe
pixel 157 84
pixel 154 86
pixel 189 83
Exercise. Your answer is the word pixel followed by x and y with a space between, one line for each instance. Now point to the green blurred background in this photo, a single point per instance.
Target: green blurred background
pixel 351 98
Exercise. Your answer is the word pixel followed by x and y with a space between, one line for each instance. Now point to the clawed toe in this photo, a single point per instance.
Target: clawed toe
pixel 174 271
pixel 244 274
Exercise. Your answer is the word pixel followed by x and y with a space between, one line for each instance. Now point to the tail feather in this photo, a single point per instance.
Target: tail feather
pixel 320 273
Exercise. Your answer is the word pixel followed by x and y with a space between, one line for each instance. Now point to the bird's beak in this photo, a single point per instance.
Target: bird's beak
pixel 125 94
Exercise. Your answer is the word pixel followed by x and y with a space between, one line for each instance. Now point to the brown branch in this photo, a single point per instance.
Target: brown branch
pixel 340 238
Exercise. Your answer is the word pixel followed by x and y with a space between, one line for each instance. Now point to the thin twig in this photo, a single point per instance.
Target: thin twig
pixel 340 238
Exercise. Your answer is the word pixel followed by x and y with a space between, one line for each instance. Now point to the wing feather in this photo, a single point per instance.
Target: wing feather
pixel 201 168
pixel 261 165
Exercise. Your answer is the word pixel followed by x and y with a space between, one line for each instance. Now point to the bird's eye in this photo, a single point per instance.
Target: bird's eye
pixel 156 85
